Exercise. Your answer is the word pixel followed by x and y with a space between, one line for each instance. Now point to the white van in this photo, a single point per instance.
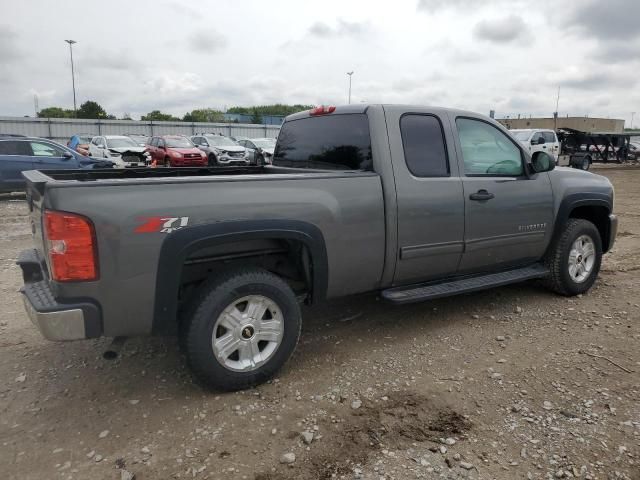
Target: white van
pixel 539 140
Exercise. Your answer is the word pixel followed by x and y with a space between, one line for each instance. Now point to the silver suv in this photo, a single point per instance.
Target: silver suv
pixel 221 150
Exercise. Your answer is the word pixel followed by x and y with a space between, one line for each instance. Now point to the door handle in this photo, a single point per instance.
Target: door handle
pixel 544 146
pixel 481 195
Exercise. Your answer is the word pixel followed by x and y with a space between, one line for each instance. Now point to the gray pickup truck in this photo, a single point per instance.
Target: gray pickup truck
pixel 415 203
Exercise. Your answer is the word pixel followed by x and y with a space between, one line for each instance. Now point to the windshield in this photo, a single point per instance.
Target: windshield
pixel 219 140
pixel 264 142
pixel 120 143
pixel 178 142
pixel 522 136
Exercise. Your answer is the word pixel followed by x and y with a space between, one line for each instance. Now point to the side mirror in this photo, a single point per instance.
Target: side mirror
pixel 67 155
pixel 204 144
pixel 542 162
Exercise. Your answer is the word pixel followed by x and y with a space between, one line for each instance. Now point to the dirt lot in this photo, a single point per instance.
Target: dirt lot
pixel 510 383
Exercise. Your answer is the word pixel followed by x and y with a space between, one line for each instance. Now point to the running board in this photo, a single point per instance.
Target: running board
pixel 430 291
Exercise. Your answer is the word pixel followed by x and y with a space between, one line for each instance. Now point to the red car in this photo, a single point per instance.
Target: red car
pixel 175 151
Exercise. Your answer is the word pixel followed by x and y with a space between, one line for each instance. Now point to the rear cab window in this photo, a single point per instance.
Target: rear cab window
pixel 549 137
pixel 15 147
pixel 425 152
pixel 332 142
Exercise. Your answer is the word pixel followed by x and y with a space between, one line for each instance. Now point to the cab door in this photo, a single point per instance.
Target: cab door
pixel 508 211
pixel 430 203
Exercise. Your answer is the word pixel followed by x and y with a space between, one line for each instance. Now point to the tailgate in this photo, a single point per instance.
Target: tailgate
pixel 36 182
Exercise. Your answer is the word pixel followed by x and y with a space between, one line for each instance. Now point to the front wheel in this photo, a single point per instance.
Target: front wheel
pixel 574 258
pixel 212 160
pixel 166 162
pixel 243 327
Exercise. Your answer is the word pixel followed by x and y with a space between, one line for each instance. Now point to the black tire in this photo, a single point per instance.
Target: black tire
pixel 167 162
pixel 557 258
pixel 216 295
pixel 586 163
pixel 212 160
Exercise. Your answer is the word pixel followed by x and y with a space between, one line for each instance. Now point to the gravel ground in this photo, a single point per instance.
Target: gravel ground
pixel 510 383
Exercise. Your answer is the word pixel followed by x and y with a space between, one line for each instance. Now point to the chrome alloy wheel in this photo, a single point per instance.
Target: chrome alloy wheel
pixel 247 333
pixel 582 257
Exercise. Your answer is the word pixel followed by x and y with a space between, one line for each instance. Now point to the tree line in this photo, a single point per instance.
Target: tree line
pixel 91 109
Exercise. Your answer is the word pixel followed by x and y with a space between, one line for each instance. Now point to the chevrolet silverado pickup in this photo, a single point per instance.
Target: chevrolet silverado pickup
pixel 415 203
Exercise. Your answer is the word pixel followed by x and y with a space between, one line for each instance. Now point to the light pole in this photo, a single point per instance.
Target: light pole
pixel 349 73
pixel 73 76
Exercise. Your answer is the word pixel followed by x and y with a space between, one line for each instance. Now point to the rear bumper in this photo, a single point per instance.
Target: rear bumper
pixel 57 319
pixel 613 230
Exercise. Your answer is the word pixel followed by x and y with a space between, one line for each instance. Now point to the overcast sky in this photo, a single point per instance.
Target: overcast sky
pixel 507 55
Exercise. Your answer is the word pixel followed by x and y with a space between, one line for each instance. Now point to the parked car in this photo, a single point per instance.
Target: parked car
pixel 221 150
pixel 121 150
pixel 634 150
pixel 176 151
pixel 139 138
pixel 80 143
pixel 539 140
pixel 260 149
pixel 18 154
pixel 413 202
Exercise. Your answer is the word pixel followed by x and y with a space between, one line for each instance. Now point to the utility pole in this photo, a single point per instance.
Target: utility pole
pixel 350 73
pixel 73 76
pixel 555 116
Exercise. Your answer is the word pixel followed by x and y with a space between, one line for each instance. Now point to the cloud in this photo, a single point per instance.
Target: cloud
pixel 9 48
pixel 183 9
pixel 343 28
pixel 610 20
pixel 502 30
pixel 170 83
pixel 206 41
pixel 616 52
pixel 588 79
pixel 101 59
pixel 434 6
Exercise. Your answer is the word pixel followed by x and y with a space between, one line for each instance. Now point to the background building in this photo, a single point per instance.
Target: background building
pixel 584 124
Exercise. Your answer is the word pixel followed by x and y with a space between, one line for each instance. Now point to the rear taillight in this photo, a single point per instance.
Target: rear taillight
pixel 72 248
pixel 322 110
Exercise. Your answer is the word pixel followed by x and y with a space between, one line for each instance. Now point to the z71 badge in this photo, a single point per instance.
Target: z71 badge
pixel 162 224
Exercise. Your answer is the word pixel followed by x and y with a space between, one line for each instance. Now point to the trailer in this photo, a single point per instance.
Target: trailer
pixel 584 148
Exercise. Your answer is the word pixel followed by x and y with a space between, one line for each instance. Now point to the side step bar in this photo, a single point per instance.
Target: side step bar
pixel 429 291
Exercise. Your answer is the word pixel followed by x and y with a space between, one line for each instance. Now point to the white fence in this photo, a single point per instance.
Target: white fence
pixel 61 129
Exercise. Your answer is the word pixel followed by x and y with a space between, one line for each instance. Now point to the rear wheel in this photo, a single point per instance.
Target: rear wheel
pixel 574 258
pixel 586 163
pixel 243 326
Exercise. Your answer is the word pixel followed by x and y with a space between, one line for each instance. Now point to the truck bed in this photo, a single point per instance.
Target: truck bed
pixel 145 172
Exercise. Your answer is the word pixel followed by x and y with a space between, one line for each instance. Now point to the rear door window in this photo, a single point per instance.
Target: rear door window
pixel 331 142
pixel 15 147
pixel 549 137
pixel 424 148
